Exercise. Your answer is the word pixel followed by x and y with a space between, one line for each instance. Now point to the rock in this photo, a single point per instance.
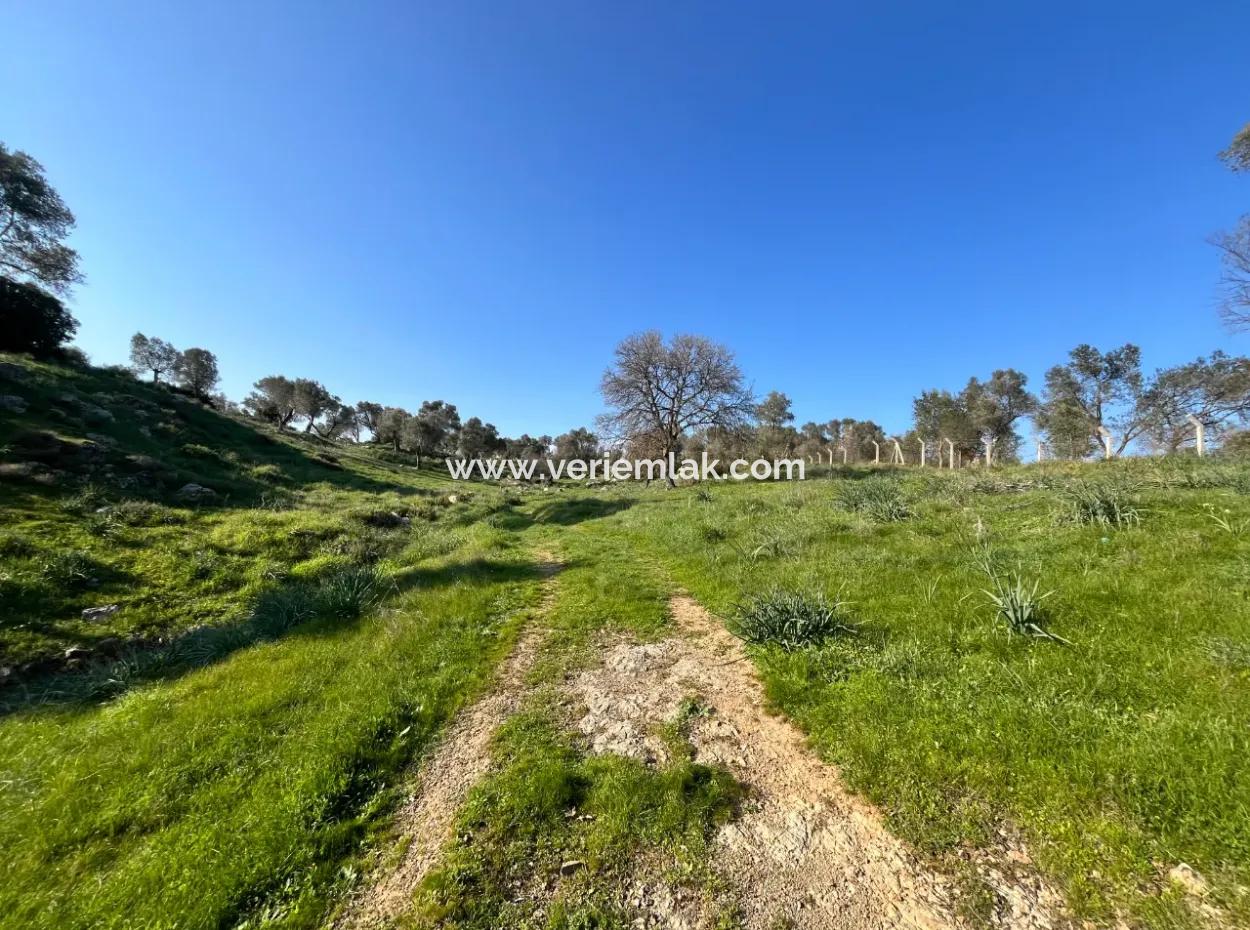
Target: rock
pixel 101 440
pixel 76 652
pixel 11 372
pixel 1188 878
pixel 570 866
pixel 100 613
pixel 13 403
pixel 196 492
pixel 451 498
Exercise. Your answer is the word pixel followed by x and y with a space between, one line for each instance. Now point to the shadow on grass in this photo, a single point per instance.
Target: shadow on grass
pixel 569 511
pixel 293 608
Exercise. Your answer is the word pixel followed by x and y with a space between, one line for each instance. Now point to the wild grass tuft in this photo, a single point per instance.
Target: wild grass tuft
pixel 1098 504
pixel 790 620
pixel 880 499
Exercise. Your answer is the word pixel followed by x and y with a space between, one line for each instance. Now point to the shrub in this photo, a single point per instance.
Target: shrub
pixel 790 620
pixel 878 498
pixel 1099 504
pixel 15 545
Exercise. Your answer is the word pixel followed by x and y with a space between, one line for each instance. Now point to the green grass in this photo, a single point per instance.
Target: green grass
pixel 1115 756
pixel 229 747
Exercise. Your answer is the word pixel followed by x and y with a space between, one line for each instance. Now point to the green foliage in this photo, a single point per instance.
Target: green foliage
pixel 790 620
pixel 1018 606
pixel 1100 504
pixel 34 321
pixel 880 499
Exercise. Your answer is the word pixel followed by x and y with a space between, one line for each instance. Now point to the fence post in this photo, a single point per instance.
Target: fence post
pixel 1106 441
pixel 1039 451
pixel 989 452
pixel 876 452
pixel 921 441
pixel 1199 435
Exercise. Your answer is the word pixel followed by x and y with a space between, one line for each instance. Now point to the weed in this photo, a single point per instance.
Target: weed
pixel 1098 504
pixel 790 620
pixel 1019 607
pixel 880 499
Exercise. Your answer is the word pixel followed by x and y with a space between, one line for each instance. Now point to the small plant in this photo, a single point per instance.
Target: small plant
pixel 712 534
pixel 71 569
pixel 1100 505
pixel 1019 607
pixel 1223 520
pixel 877 498
pixel 790 620
pixel 348 593
pixel 703 496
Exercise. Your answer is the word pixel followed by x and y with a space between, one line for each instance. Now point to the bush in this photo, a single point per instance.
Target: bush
pixel 790 620
pixel 878 498
pixel 34 320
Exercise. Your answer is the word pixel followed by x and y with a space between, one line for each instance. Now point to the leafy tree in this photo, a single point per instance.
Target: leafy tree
pixel 994 406
pixel 941 415
pixel 392 424
pixel 32 320
pixel 1216 391
pixel 310 400
pixel 579 443
pixel 196 370
pixel 776 436
pixel 434 428
pixel 367 414
pixel 339 420
pixel 479 440
pixel 154 355
pixel 665 391
pixel 1094 389
pixel 33 222
pixel 273 399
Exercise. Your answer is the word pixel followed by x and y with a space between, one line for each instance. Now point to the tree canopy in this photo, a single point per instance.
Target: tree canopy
pixel 34 221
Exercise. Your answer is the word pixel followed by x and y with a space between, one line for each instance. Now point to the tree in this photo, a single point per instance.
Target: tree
pixel 310 399
pixel 33 221
pixel 941 415
pixel 479 440
pixel 367 414
pixel 995 405
pixel 434 428
pixel 273 399
pixel 1235 246
pixel 1237 155
pixel 578 444
pixel 392 424
pixel 1216 391
pixel 775 433
pixel 340 419
pixel 32 320
pixel 196 371
pixel 154 355
pixel 664 391
pixel 1235 303
pixel 1094 389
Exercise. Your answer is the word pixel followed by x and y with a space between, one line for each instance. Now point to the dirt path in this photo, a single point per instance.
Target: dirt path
pixel 455 765
pixel 804 852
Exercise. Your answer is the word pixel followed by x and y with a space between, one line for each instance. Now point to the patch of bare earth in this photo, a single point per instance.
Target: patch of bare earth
pixel 459 761
pixel 804 852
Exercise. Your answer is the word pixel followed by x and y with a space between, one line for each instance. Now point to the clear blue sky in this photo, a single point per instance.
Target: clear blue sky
pixel 476 200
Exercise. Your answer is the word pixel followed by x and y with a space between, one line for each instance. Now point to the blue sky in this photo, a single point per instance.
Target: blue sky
pixel 475 201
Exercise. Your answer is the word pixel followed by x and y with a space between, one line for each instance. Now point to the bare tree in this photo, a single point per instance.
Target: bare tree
pixel 1235 304
pixel 663 391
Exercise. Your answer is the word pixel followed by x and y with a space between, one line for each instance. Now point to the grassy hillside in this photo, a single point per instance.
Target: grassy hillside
pixel 226 748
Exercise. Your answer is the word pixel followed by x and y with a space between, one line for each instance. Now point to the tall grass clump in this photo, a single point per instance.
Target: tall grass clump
pixel 790 620
pixel 1100 505
pixel 877 498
